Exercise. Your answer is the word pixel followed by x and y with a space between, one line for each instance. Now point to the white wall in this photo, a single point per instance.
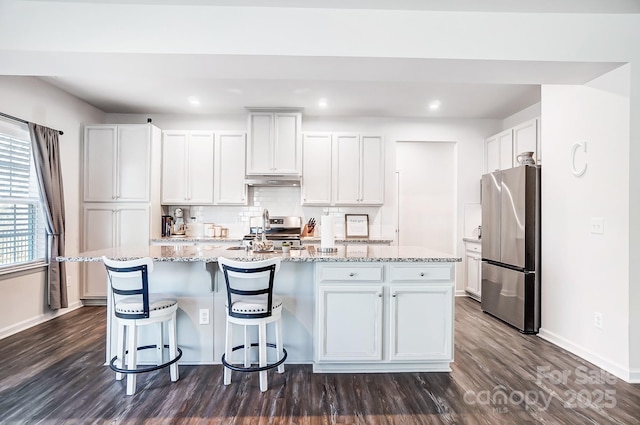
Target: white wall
pixel 23 300
pixel 584 273
pixel 519 117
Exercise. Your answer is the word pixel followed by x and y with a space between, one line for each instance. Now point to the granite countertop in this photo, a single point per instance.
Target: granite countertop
pixel 199 239
pixel 373 241
pixel 210 253
pixel 306 240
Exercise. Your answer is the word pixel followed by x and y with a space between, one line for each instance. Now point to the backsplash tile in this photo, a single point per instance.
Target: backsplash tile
pixel 279 201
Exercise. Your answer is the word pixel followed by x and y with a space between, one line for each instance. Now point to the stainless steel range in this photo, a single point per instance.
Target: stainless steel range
pixel 279 229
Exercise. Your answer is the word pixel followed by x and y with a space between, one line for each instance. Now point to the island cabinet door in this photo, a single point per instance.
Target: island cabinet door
pixel 421 322
pixel 349 323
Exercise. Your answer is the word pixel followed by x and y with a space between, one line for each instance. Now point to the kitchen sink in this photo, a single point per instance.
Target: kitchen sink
pixel 239 248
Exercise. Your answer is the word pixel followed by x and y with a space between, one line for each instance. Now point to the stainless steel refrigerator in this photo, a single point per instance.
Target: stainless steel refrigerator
pixel 511 246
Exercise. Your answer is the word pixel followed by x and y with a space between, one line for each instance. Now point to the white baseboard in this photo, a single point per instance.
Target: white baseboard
pixel 613 368
pixel 634 377
pixel 33 321
pixel 461 293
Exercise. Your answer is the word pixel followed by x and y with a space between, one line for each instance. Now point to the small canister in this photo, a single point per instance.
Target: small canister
pixel 224 232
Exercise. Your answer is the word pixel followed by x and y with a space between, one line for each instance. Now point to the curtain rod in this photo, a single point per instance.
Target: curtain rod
pixel 21 120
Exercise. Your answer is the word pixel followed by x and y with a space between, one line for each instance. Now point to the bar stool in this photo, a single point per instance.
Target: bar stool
pixel 250 302
pixel 133 307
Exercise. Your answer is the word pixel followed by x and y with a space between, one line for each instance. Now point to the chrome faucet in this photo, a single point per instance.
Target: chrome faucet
pixel 265 224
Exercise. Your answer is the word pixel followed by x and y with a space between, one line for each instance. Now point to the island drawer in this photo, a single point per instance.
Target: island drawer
pixel 350 273
pixel 422 273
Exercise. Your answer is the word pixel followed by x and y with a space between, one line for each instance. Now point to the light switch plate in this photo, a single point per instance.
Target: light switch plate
pixel 597 225
pixel 204 316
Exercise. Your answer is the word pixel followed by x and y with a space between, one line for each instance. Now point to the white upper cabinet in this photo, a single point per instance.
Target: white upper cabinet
pixel 187 167
pixel 525 139
pixel 502 150
pixel 358 170
pixel 372 170
pixel 117 163
pixel 229 188
pixel 275 143
pixel 347 169
pixel 316 169
pixel 499 151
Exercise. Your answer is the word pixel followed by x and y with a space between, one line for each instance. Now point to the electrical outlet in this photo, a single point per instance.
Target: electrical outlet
pixel 68 280
pixel 204 316
pixel 597 225
pixel 597 320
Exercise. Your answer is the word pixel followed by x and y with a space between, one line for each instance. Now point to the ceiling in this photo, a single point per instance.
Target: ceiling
pixel 162 84
pixel 227 84
pixel 537 6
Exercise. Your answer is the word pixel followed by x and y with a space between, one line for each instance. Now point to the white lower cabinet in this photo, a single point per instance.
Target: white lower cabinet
pixel 359 306
pixel 420 322
pixel 108 226
pixel 473 269
pixel 375 317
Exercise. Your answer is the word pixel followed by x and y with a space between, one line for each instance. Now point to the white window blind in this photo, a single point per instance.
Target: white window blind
pixel 22 226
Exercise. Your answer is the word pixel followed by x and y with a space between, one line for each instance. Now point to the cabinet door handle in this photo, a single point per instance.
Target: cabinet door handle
pixel 394 295
pixel 352 274
pixel 380 295
pixel 421 274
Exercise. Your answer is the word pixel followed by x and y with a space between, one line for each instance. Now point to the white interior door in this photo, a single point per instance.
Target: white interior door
pixel 426 194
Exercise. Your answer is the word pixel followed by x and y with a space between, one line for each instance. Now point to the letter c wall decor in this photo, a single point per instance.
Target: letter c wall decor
pixel 574 150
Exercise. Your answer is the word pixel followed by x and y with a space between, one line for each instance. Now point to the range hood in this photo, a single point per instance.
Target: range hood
pixel 273 180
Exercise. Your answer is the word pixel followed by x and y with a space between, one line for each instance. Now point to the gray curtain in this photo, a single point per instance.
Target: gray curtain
pixel 44 143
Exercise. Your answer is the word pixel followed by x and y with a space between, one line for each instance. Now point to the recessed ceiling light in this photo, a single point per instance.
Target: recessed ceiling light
pixel 193 100
pixel 322 103
pixel 435 105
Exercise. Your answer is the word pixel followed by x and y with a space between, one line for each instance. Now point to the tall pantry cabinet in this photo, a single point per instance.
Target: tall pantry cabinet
pixel 117 172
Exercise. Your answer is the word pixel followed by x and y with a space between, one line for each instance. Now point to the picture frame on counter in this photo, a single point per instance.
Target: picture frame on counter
pixel 356 225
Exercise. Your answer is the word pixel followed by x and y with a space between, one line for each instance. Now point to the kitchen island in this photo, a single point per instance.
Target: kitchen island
pixel 363 308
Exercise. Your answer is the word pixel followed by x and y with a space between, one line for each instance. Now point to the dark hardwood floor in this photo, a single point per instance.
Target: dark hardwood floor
pixel 54 374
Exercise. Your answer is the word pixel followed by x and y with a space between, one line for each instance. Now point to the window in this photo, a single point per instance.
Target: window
pixel 22 226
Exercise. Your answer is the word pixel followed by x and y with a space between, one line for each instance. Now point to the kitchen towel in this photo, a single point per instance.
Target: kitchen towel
pixel 327 232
